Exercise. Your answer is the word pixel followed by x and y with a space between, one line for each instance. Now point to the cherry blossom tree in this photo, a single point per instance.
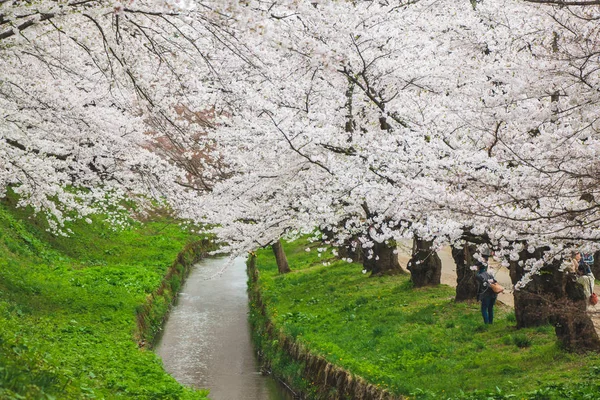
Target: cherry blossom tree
pixel 451 122
pixel 446 121
pixel 89 90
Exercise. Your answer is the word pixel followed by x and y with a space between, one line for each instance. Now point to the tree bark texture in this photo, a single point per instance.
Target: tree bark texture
pixel 553 296
pixel 466 281
pixel 596 265
pixel 531 302
pixel 573 325
pixel 280 258
pixel 383 261
pixel 351 250
pixel 425 266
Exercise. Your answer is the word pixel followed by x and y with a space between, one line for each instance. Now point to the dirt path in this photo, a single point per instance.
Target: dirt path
pixel 501 273
pixel 449 270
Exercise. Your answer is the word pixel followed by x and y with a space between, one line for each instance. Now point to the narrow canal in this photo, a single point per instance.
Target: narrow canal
pixel 206 342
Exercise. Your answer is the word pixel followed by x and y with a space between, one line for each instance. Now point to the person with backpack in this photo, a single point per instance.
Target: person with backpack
pixel 485 294
pixel 582 268
pixel 585 264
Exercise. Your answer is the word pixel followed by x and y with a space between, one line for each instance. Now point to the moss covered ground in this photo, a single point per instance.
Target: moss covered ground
pixel 417 343
pixel 68 308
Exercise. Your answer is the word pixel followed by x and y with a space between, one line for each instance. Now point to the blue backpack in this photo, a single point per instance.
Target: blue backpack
pixel 585 265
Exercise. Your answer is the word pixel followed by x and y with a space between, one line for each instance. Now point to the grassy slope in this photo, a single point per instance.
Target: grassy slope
pixel 417 342
pixel 67 309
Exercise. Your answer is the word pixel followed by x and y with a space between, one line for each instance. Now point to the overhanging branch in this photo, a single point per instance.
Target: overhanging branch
pixel 566 3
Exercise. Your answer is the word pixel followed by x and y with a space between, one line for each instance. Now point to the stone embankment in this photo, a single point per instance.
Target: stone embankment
pixel 331 381
pixel 151 315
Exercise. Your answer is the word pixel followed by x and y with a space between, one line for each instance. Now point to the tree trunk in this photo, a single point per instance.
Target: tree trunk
pixel 554 297
pixel 280 258
pixel 466 281
pixel 383 261
pixel 596 265
pixel 425 266
pixel 573 325
pixel 531 305
pixel 351 250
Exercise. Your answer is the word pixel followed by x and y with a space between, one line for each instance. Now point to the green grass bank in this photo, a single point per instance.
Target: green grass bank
pixel 74 311
pixel 331 323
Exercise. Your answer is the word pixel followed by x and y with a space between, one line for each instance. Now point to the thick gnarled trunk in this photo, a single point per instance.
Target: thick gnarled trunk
pixel 425 266
pixel 573 326
pixel 466 281
pixel 280 258
pixel 553 296
pixel 351 250
pixel 531 302
pixel 596 265
pixel 383 260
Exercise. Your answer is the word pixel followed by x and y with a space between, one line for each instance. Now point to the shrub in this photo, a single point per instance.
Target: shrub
pixel 521 340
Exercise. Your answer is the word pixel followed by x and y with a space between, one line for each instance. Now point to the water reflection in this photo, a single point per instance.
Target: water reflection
pixel 206 342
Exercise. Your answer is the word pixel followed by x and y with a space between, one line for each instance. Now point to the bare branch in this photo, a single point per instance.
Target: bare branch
pixel 25 25
pixel 566 3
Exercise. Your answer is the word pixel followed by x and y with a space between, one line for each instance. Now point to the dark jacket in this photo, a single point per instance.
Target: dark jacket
pixel 584 268
pixel 483 278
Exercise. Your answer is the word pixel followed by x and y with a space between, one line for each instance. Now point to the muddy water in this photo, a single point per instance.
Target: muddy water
pixel 206 342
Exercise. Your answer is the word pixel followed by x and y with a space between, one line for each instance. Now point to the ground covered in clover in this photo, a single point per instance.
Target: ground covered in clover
pixel 416 342
pixel 68 309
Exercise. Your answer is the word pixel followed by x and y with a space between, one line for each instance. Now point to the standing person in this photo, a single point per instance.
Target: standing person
pixel 485 294
pixel 585 277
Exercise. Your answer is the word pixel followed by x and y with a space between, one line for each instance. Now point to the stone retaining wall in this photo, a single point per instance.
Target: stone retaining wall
pixel 152 314
pixel 330 381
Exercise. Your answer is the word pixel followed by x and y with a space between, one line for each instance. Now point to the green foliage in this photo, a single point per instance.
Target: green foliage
pixel 272 353
pixel 511 317
pixel 68 308
pixel 399 337
pixel 520 340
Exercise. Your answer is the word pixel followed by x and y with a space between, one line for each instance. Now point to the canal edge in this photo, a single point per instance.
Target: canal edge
pixel 319 379
pixel 152 314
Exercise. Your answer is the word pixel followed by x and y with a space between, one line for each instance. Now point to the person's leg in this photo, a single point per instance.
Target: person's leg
pixel 491 310
pixel 484 309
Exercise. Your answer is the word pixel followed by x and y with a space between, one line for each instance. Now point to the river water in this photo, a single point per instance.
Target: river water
pixel 206 341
